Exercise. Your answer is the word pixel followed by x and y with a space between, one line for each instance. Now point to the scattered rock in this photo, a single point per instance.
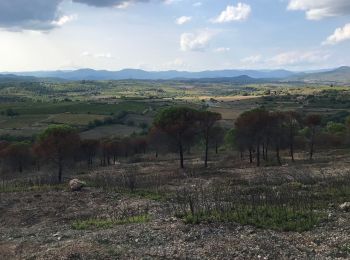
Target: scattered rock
pixel 345 206
pixel 76 185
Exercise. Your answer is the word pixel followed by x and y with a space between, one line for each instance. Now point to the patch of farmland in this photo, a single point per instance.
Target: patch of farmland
pixel 73 119
pixel 21 121
pixel 227 113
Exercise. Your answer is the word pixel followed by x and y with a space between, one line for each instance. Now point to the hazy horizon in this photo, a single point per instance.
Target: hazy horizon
pixel 183 35
pixel 180 70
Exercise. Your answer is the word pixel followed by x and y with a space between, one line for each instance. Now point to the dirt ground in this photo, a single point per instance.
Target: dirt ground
pixel 38 225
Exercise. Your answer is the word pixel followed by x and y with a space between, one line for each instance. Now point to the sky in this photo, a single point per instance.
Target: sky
pixel 191 35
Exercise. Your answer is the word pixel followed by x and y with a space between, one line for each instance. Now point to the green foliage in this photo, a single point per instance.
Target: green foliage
pixel 96 223
pixel 230 139
pixel 177 119
pixel 56 130
pixel 335 128
pixel 306 132
pixel 270 217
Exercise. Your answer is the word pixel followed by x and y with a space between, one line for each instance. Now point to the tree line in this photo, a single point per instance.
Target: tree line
pixel 259 135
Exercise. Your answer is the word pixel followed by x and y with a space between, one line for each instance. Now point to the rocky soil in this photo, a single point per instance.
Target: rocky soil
pixel 38 226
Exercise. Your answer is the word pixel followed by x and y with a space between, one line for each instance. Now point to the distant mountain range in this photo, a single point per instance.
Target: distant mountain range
pixel 10 78
pixel 90 74
pixel 339 75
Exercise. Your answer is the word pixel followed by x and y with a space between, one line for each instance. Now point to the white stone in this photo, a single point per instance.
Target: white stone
pixel 345 206
pixel 76 185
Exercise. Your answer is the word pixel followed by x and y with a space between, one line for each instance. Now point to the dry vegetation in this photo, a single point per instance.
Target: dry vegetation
pixel 143 207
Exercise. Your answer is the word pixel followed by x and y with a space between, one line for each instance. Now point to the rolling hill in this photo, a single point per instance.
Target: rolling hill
pixel 339 76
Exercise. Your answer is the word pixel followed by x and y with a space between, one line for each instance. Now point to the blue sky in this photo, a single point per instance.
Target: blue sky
pixel 174 34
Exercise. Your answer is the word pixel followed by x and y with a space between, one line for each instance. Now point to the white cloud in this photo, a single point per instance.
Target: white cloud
pixel 339 35
pixel 251 60
pixel 296 58
pixel 197 4
pixel 65 19
pixel 319 9
pixel 183 19
pixel 222 49
pixel 196 41
pixel 240 12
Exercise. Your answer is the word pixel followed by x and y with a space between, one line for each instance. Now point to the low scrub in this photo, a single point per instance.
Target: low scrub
pixel 269 207
pixel 269 217
pixel 28 188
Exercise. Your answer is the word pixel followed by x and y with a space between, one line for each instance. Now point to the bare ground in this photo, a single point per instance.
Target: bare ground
pixel 38 225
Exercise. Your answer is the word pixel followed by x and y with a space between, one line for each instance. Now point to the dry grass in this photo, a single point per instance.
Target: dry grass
pixel 73 119
pixel 228 113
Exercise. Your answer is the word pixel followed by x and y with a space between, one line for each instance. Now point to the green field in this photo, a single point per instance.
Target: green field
pixel 37 105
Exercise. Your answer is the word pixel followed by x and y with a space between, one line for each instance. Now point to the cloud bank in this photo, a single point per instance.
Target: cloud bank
pixel 44 15
pixel 320 9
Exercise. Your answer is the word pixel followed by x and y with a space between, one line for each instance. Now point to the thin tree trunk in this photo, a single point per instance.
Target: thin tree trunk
pixel 258 154
pixel 250 155
pixel 263 148
pixel 60 169
pixel 181 153
pixel 312 141
pixel 278 155
pixel 206 150
pixel 291 147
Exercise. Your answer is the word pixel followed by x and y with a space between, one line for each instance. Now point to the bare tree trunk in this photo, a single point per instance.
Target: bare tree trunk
pixel 206 150
pixel 278 155
pixel 291 145
pixel 264 155
pixel 250 155
pixel 258 154
pixel 60 170
pixel 312 143
pixel 181 153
